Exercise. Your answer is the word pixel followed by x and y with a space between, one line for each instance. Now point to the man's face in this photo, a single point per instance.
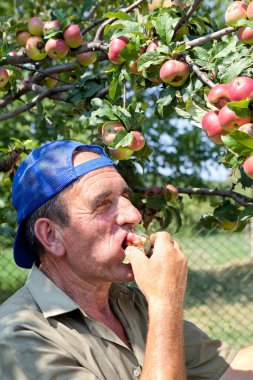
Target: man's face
pixel 100 215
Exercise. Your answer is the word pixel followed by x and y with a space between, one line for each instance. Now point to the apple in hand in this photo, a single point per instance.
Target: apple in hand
pixel 22 37
pixel 109 130
pixel 86 58
pixel 174 72
pixel 35 26
pixel 115 47
pixel 35 48
pixel 240 88
pixel 230 121
pixel 4 76
pixel 218 95
pixel 235 11
pixel 247 128
pixel 138 240
pixel 56 48
pixel 73 36
pixel 245 35
pixel 211 125
pixel 121 153
pixel 248 166
pixel 53 24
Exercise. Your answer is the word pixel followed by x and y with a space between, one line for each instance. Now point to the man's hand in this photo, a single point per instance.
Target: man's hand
pixel 163 276
pixel 162 279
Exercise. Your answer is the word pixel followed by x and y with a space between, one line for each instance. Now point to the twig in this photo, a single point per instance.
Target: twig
pixel 198 71
pixel 237 197
pixel 124 94
pixel 209 37
pixel 100 30
pixel 185 18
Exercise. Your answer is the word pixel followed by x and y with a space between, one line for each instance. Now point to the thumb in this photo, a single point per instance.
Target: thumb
pixel 135 256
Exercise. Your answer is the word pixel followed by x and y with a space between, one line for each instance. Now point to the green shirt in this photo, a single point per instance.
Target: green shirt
pixel 45 335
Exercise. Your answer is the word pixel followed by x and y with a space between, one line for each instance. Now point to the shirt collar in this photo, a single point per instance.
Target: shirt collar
pixel 51 300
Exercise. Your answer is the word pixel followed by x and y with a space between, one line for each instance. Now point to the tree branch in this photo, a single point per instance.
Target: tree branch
pixel 100 30
pixel 185 18
pixel 209 37
pixel 237 197
pixel 198 71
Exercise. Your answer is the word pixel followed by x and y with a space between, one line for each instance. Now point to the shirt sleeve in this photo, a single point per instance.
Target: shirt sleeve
pixel 206 358
pixel 28 356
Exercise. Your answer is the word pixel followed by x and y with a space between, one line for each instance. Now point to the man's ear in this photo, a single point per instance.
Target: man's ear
pixel 49 234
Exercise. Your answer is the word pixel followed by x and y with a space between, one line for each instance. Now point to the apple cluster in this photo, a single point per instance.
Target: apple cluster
pixel 172 72
pixel 238 10
pixel 223 120
pixel 108 132
pixel 38 44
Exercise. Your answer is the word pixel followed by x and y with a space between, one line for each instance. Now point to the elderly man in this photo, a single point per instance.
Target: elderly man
pixel 76 317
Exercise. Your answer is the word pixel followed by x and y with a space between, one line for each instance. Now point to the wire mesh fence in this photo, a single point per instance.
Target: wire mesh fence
pixel 220 282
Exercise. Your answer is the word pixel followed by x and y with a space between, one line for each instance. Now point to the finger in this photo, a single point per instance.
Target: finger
pixel 135 255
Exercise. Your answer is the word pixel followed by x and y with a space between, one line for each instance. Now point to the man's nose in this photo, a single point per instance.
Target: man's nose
pixel 127 213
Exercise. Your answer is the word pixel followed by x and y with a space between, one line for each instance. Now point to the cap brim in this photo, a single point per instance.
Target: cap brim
pixel 23 256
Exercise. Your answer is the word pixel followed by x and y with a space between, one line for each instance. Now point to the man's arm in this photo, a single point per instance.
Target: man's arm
pixel 241 367
pixel 162 279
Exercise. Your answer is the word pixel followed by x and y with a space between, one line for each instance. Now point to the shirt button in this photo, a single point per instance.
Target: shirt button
pixel 137 372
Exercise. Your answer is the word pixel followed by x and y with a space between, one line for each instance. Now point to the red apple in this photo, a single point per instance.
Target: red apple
pixel 248 166
pixel 51 81
pixel 133 64
pixel 218 95
pixel 250 11
pixel 86 58
pixel 245 35
pixel 22 37
pixel 73 36
pixel 35 48
pixel 4 76
pixel 211 125
pixel 115 47
pixel 235 11
pixel 138 141
pixel 56 48
pixel 152 46
pixel 230 121
pixel 240 88
pixel 172 190
pixel 121 153
pixel 174 72
pixel 139 240
pixel 247 128
pixel 53 24
pixel 109 130
pixel 35 26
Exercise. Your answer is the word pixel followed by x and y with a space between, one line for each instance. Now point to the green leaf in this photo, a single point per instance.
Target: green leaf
pixel 176 218
pixel 148 59
pixel 123 115
pixel 157 202
pixel 165 98
pixel 127 139
pixel 118 15
pixel 208 221
pixel 239 142
pixel 227 50
pixel 235 69
pixel 164 27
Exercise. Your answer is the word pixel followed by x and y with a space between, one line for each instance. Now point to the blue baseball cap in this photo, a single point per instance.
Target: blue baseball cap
pixel 44 173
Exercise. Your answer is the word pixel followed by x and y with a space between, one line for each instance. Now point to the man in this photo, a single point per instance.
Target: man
pixel 74 319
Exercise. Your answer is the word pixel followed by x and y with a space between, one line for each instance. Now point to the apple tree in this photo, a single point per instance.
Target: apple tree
pixel 160 84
